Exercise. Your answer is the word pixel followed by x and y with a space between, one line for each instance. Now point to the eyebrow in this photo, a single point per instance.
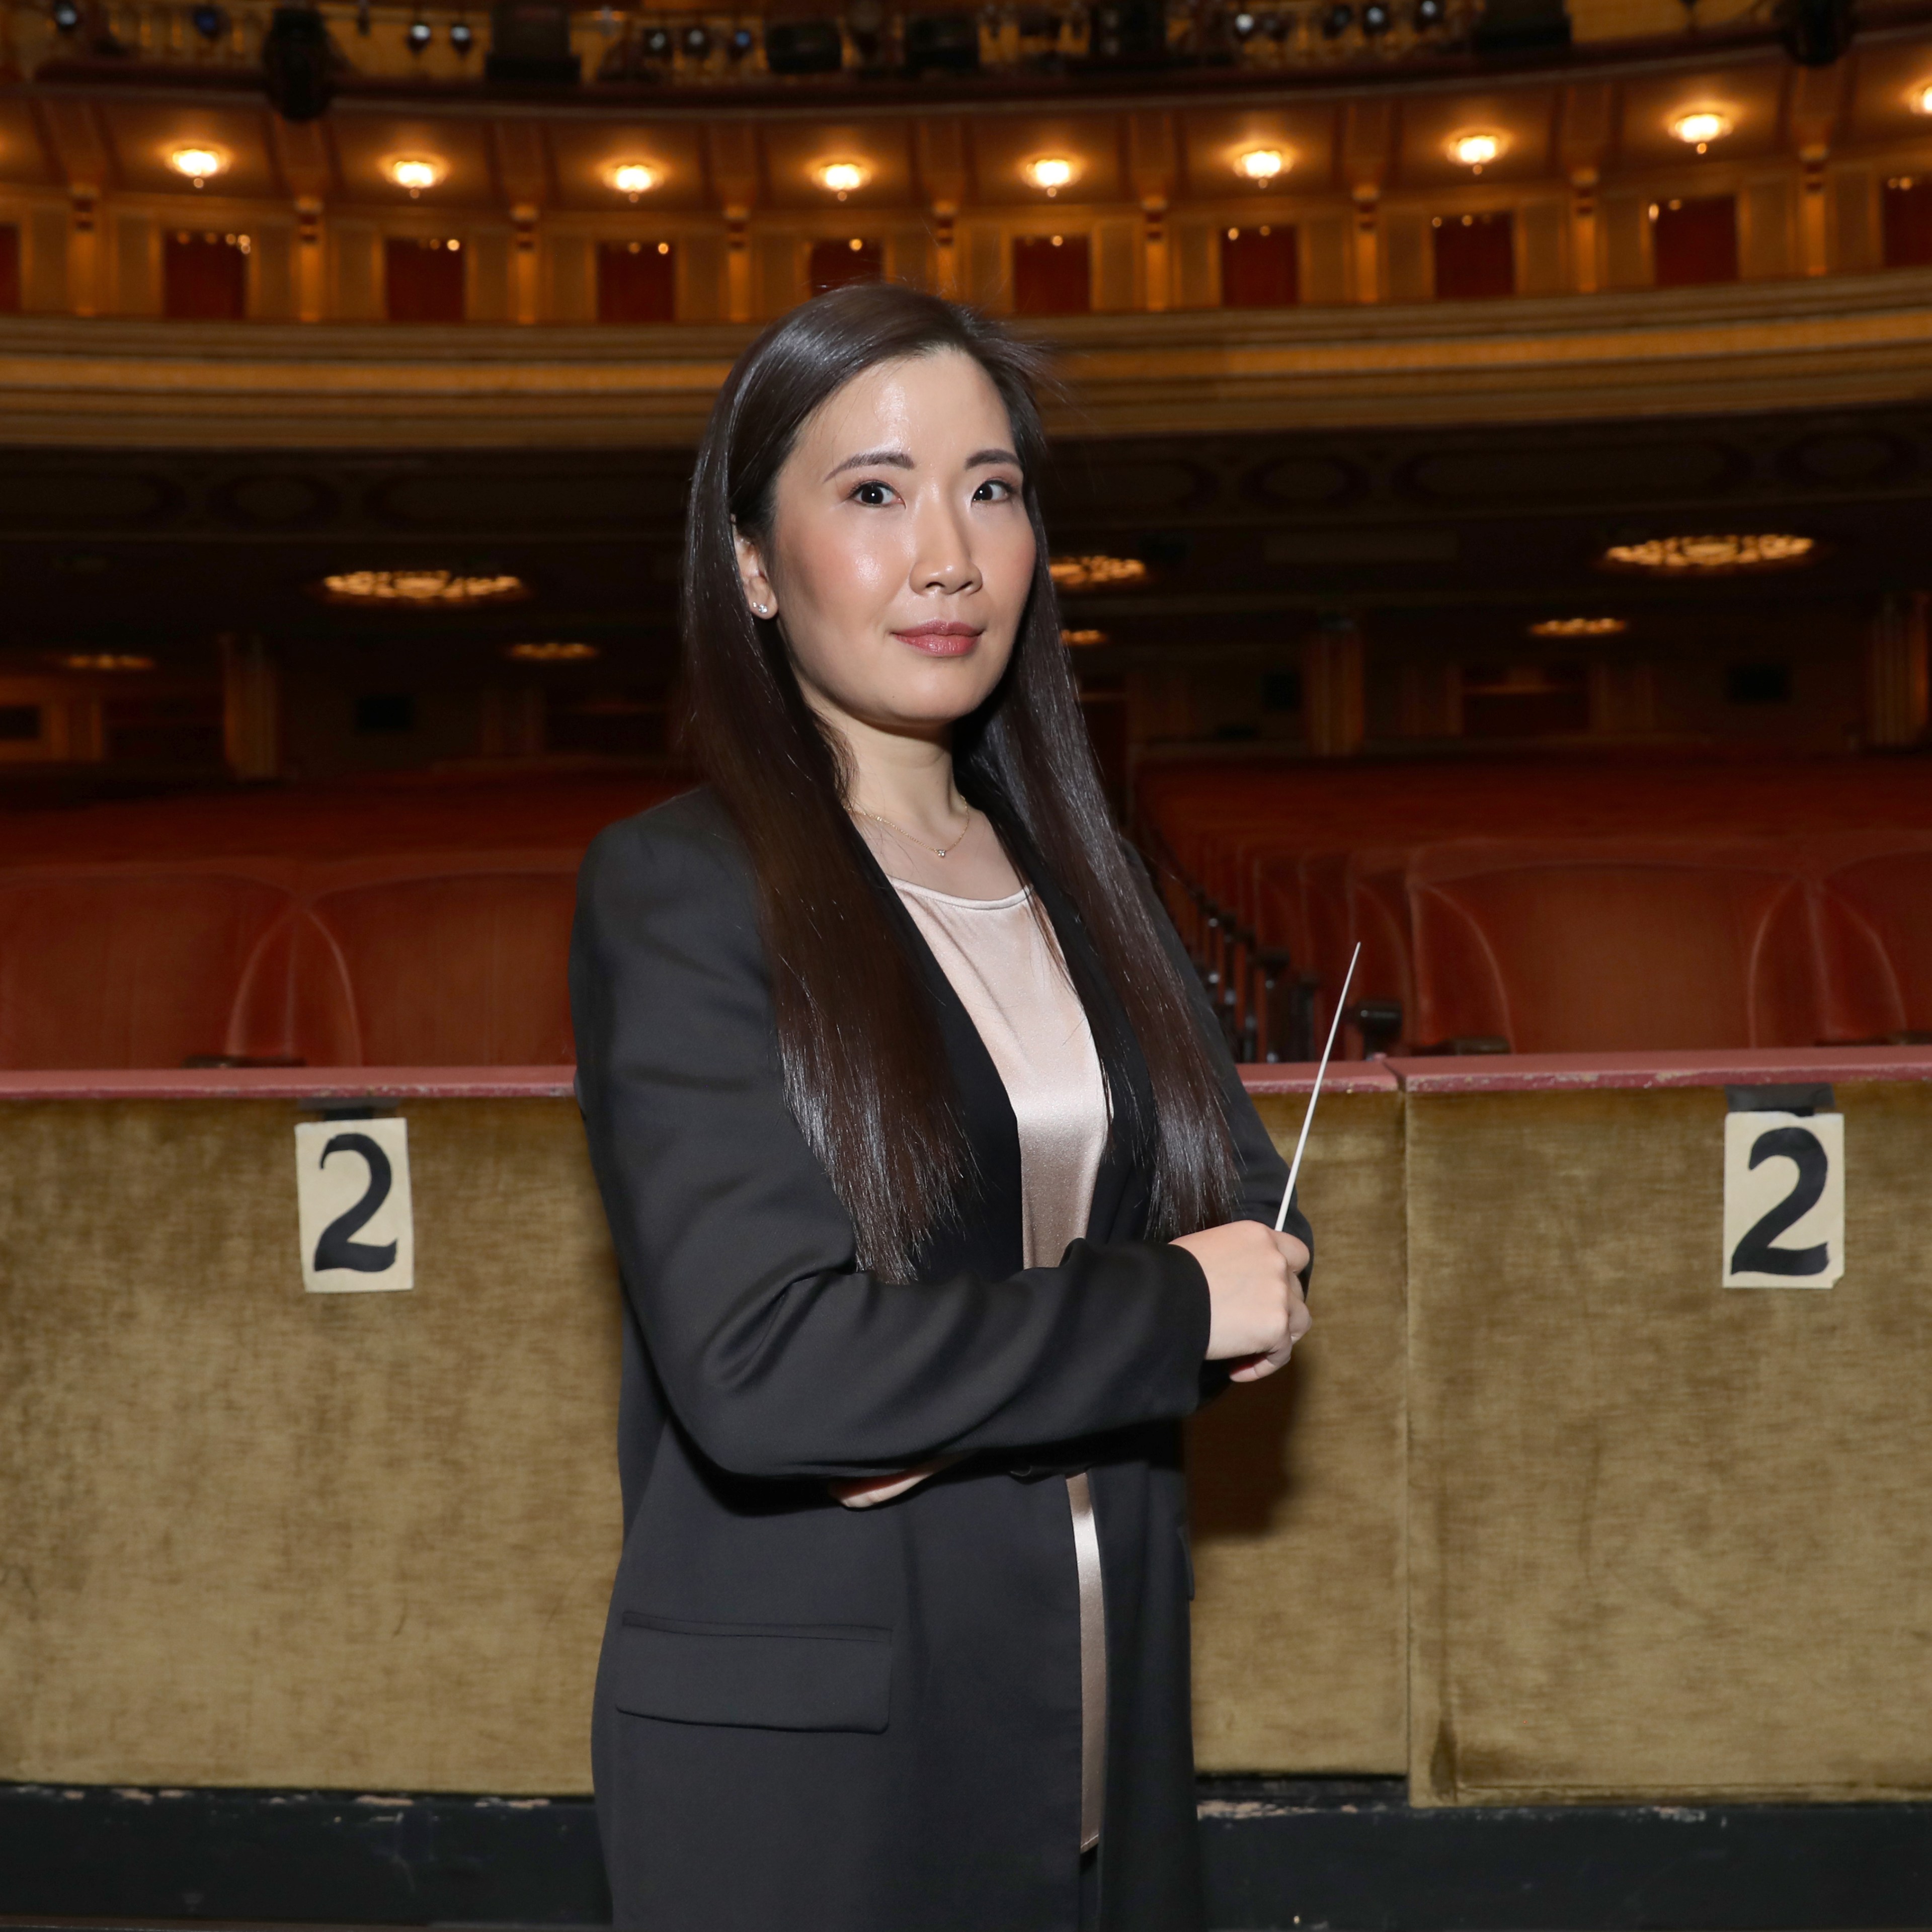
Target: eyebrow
pixel 897 459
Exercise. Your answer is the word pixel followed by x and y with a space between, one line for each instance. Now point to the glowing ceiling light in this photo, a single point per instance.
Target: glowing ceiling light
pixel 1261 165
pixel 1051 172
pixel 106 660
pixel 414 173
pixel 842 178
pixel 425 588
pixel 551 653
pixel 1080 640
pixel 1579 627
pixel 1921 99
pixel 1476 150
pixel 1699 130
pixel 1671 555
pixel 200 165
pixel 634 178
pixel 1097 572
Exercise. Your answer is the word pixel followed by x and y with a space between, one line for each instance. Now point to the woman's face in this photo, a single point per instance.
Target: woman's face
pixel 900 554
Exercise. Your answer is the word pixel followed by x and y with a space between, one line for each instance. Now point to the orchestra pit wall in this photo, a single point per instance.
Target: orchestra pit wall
pixel 1540 1511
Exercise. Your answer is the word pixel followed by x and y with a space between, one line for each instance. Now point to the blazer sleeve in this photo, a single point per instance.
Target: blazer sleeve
pixel 779 1356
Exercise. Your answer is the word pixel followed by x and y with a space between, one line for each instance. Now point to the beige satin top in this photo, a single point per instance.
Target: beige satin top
pixel 1006 967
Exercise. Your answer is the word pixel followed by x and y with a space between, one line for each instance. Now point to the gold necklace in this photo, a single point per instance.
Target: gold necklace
pixel 937 851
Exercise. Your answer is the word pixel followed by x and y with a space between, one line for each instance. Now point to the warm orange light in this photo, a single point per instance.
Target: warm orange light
pixel 200 165
pixel 1096 571
pixel 1080 640
pixel 1699 130
pixel 1261 165
pixel 425 589
pixel 106 660
pixel 1579 627
pixel 1921 99
pixel 551 653
pixel 1476 150
pixel 1051 172
pixel 1670 555
pixel 414 173
pixel 634 178
pixel 842 178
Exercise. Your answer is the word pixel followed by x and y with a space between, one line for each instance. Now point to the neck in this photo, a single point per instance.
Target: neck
pixel 905 776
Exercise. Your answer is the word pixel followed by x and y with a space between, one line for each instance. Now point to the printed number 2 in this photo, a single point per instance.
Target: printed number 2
pixel 335 1249
pixel 1763 1201
pixel 357 1226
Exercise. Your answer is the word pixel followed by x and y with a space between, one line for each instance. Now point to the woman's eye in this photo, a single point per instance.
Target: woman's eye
pixel 874 496
pixel 994 490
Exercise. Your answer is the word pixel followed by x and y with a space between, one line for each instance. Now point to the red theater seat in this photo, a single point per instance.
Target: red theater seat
pixel 1569 948
pixel 460 961
pixel 1875 922
pixel 126 966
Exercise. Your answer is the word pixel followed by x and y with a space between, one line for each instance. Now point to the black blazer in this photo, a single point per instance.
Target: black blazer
pixel 827 1720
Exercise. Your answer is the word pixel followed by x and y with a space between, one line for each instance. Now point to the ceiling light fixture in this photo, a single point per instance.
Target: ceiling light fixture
pixel 1095 572
pixel 200 165
pixel 634 178
pixel 1080 640
pixel 551 653
pixel 1579 627
pixel 1052 173
pixel 1261 165
pixel 414 173
pixel 106 660
pixel 1475 152
pixel 1921 98
pixel 842 178
pixel 425 589
pixel 1699 130
pixel 1674 556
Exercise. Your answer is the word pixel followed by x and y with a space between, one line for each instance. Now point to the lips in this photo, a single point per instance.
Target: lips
pixel 940 640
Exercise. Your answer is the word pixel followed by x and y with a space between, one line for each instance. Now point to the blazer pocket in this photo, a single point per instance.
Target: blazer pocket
pixel 779 1677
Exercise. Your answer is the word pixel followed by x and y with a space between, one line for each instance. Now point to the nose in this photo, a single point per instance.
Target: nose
pixel 943 560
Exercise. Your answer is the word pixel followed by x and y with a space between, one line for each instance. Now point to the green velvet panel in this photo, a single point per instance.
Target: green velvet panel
pixel 1300 1615
pixel 1668 1541
pixel 255 1536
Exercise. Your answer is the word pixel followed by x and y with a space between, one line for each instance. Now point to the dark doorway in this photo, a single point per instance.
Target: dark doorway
pixel 636 282
pixel 424 280
pixel 1695 241
pixel 1051 275
pixel 1475 257
pixel 204 278
pixel 1908 222
pixel 837 264
pixel 1259 269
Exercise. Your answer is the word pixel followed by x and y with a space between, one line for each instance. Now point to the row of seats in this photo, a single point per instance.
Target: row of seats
pixel 1580 907
pixel 410 924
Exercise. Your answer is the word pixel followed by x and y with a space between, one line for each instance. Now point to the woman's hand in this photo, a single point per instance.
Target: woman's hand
pixel 1259 1313
pixel 866 1492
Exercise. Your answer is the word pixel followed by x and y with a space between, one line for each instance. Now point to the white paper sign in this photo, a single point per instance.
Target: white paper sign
pixel 1784 1200
pixel 353 1198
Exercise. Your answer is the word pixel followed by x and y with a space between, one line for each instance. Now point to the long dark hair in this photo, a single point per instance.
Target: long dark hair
pixel 865 1071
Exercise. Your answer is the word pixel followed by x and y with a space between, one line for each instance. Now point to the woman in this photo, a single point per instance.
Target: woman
pixel 937 1201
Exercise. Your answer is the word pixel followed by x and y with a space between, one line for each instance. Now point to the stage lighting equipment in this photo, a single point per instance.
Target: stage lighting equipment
pixel 1336 21
pixel 1814 32
pixel 657 44
pixel 1375 17
pixel 298 64
pixel 804 46
pixel 529 45
pixel 66 15
pixel 462 36
pixel 208 22
pixel 697 43
pixel 1521 26
pixel 419 36
pixel 1244 24
pixel 942 43
pixel 741 44
pixel 1129 30
pixel 1430 14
